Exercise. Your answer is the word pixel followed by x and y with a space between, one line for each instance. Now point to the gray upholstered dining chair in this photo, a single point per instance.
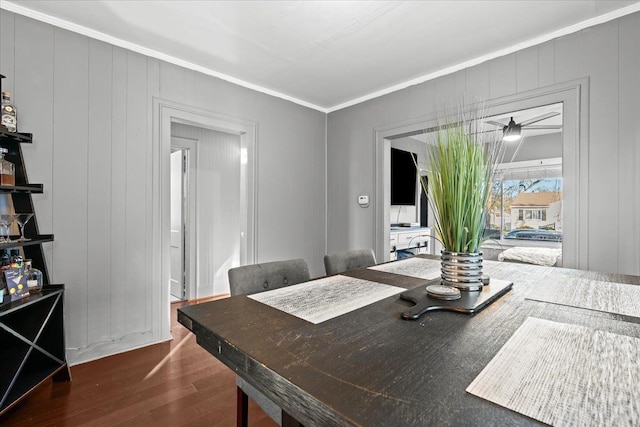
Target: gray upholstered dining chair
pixel 348 260
pixel 251 279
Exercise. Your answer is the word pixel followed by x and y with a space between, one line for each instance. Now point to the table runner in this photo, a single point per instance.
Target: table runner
pixel 415 267
pixel 323 299
pixel 565 375
pixel 609 297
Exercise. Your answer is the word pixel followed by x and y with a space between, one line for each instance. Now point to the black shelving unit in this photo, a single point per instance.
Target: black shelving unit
pixel 22 202
pixel 31 329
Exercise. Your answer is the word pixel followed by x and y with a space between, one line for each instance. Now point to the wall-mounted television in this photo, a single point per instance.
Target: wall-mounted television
pixel 403 177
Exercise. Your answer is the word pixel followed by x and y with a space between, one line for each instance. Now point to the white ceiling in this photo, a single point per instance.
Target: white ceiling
pixel 324 54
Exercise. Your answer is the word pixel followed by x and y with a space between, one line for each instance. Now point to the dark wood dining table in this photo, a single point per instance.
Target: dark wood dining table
pixel 369 367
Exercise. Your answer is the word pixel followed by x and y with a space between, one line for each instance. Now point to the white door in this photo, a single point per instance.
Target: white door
pixel 178 276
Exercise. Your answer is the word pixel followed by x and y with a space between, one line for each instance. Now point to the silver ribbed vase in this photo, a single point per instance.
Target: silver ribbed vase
pixel 462 270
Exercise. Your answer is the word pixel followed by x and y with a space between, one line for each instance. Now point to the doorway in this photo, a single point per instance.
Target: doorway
pixel 183 218
pixel 574 99
pixel 167 115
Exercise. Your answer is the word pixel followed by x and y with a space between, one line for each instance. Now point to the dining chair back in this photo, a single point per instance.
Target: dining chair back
pixel 251 279
pixel 340 262
pixel 254 278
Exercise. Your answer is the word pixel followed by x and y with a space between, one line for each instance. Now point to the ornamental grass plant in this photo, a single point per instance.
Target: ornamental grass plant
pixel 462 159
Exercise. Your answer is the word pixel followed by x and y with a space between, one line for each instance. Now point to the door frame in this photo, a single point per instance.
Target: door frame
pixel 189 211
pixel 166 112
pixel 574 95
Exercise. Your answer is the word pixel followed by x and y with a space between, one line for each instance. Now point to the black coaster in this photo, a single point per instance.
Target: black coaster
pixel 471 302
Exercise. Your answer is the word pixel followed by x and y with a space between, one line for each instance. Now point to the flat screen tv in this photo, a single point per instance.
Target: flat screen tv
pixel 403 177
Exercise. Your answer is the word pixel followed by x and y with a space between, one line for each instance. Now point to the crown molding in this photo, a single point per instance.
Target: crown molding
pixel 85 31
pixel 618 13
pixel 601 19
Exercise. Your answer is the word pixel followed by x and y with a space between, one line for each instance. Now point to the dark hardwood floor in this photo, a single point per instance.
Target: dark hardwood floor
pixel 176 383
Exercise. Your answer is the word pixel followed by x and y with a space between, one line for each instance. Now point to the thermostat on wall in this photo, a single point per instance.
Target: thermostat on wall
pixel 363 201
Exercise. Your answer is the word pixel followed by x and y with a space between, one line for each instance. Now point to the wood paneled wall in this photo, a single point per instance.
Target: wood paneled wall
pixel 89 106
pixel 607 54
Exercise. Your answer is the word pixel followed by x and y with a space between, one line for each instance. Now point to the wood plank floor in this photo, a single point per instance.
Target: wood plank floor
pixel 176 383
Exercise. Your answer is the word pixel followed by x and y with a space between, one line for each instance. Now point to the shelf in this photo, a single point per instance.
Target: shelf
pixel 26 188
pixel 31 328
pixel 6 136
pixel 32 334
pixel 7 306
pixel 36 240
pixel 29 382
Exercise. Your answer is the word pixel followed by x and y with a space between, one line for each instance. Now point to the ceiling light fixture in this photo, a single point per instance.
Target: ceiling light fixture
pixel 511 132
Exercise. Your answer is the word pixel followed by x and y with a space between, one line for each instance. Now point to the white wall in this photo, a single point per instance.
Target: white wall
pixel 89 106
pixel 607 54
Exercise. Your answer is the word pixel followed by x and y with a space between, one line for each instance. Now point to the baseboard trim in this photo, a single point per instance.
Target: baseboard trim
pixel 101 349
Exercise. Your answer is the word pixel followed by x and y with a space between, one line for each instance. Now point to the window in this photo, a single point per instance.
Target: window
pixel 533 214
pixel 527 208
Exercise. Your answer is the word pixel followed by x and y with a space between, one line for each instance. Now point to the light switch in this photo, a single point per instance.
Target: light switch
pixel 363 201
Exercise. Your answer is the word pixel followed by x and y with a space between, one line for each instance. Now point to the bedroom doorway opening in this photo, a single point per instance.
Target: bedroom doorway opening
pixel 183 214
pixel 235 142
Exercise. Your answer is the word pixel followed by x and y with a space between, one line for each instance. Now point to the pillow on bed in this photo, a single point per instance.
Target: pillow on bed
pixel 538 256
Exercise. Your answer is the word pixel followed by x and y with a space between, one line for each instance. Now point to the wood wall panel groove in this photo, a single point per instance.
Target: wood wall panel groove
pixel 629 144
pixel 136 208
pixel 598 49
pixel 152 291
pixel 526 72
pixel 7 50
pixel 70 133
pixel 546 64
pixel 478 82
pixel 99 185
pixel 34 85
pixel 118 191
pixel 502 76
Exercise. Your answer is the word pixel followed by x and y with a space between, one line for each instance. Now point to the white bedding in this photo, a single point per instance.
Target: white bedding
pixel 538 256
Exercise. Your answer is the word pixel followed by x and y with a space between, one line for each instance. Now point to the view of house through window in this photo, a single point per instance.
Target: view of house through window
pixel 526 209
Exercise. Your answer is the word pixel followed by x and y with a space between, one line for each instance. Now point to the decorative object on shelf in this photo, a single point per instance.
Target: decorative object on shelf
pixel 5 222
pixel 16 259
pixel 8 114
pixel 33 277
pixel 461 163
pixel 5 264
pixel 22 219
pixel 16 283
pixel 7 169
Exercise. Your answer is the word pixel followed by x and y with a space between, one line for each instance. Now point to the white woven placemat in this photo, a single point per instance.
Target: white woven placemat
pixel 565 375
pixel 609 297
pixel 415 267
pixel 323 299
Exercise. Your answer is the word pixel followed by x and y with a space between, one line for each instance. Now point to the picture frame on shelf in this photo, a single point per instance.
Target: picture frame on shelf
pixel 16 283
